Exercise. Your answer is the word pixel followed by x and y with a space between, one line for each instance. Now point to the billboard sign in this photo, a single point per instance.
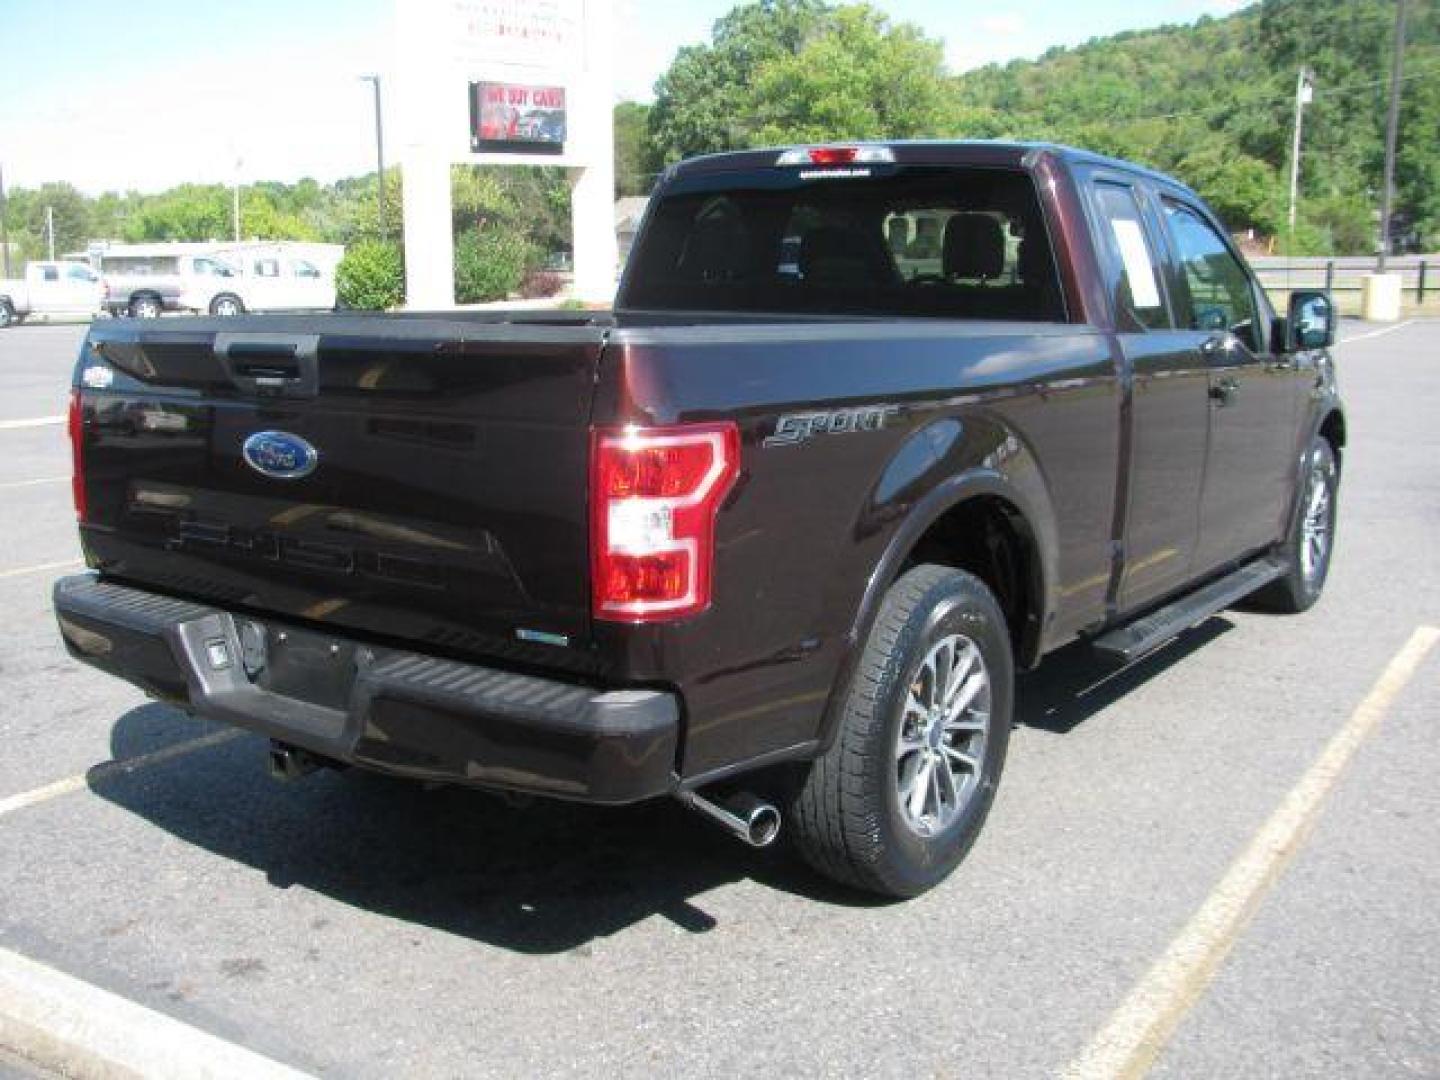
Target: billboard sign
pixel 516 117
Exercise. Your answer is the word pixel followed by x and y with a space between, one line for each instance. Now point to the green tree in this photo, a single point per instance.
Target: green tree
pixel 635 161
pixel 25 217
pixel 187 212
pixel 702 99
pixel 856 76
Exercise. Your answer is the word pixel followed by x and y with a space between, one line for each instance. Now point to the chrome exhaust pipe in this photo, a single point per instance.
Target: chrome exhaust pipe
pixel 753 820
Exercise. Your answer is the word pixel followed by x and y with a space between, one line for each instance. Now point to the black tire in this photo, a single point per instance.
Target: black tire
pixel 7 314
pixel 1303 582
pixel 226 305
pixel 145 306
pixel 847 816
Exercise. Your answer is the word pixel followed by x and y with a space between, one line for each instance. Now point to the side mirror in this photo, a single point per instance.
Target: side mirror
pixel 1310 323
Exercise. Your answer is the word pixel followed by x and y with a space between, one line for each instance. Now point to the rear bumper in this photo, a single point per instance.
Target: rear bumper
pixel 384 709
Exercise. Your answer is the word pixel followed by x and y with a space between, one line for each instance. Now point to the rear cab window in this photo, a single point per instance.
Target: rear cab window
pixel 943 241
pixel 1133 272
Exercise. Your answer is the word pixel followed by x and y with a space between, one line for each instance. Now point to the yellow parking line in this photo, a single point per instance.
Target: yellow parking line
pixel 39 568
pixel 31 422
pixel 1375 333
pixel 33 483
pixel 122 767
pixel 1138 1030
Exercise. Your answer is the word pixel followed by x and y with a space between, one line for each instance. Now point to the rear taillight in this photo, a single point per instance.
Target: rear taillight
pixel 654 493
pixel 76 423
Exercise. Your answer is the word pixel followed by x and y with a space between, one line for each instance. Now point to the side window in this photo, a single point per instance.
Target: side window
pixel 211 268
pixel 302 269
pixel 1135 279
pixel 1220 294
pixel 80 273
pixel 50 273
pixel 267 268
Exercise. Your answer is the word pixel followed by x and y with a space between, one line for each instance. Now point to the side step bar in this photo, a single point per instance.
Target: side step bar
pixel 1135 639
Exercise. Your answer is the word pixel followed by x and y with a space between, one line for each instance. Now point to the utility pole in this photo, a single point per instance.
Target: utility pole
pixel 1392 127
pixel 374 80
pixel 50 229
pixel 1304 92
pixel 4 231
pixel 235 198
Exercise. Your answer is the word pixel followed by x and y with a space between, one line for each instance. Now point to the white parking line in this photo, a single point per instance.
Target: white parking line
pixel 77 1029
pixel 122 767
pixel 40 568
pixel 34 421
pixel 1376 333
pixel 1139 1029
pixel 7 485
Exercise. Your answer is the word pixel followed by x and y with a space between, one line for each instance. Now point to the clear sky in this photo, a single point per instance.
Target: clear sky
pixel 150 93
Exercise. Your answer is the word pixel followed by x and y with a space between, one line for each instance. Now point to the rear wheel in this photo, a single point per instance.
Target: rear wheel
pixel 1312 536
pixel 145 307
pixel 7 314
pixel 897 801
pixel 226 306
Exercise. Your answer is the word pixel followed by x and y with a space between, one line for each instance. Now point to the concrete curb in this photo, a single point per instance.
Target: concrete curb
pixel 79 1030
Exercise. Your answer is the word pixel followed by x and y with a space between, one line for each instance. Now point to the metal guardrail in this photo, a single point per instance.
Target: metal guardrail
pixel 1418 273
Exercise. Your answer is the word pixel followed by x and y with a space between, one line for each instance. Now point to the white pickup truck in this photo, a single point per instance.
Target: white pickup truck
pixel 51 288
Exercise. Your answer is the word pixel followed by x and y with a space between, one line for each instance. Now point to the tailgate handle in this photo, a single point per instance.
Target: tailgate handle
pixel 271 365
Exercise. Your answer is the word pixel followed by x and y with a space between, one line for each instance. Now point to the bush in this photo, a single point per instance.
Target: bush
pixel 490 264
pixel 371 276
pixel 539 284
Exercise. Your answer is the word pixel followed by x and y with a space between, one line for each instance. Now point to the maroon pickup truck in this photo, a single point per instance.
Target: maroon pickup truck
pixel 869 428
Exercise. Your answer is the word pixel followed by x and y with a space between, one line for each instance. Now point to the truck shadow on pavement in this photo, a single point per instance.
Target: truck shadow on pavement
pixel 544 878
pixel 1073 684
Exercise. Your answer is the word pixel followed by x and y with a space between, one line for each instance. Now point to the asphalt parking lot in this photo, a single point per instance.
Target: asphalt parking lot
pixel 356 926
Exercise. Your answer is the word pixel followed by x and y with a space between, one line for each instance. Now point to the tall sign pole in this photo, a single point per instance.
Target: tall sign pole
pixel 374 80
pixel 1392 127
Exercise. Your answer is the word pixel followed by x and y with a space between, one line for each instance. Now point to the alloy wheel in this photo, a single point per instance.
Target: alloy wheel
pixel 940 743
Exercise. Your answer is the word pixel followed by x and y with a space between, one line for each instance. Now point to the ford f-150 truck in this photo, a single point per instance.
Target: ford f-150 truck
pixel 869 428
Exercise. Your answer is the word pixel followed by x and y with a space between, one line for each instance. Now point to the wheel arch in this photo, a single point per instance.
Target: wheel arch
pixel 977 513
pixel 1332 427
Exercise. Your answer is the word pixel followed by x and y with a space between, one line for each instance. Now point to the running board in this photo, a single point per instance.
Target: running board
pixel 1135 639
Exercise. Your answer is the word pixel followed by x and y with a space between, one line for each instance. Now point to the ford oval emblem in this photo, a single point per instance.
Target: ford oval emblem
pixel 280 455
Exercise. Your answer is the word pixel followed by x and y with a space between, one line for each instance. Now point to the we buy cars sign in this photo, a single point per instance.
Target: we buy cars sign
pixel 514 116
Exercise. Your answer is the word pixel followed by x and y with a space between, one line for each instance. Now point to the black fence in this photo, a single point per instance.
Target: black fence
pixel 1419 274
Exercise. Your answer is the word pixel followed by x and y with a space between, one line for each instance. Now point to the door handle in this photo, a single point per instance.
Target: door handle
pixel 1223 391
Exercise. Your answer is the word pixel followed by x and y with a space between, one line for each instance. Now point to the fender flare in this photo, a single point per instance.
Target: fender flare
pixel 1331 408
pixel 1038 532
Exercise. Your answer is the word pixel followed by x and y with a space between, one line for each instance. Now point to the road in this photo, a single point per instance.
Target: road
pixel 361 927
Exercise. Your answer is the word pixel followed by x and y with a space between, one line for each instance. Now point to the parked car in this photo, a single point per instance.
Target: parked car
pixel 260 280
pixel 50 288
pixel 773 535
pixel 144 282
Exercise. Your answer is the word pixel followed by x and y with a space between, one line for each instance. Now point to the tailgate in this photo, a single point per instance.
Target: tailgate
pixel 412 479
